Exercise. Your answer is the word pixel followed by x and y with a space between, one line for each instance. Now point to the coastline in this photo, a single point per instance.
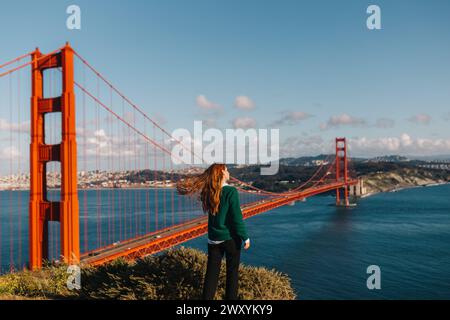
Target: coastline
pixel 405 187
pixel 95 189
pixel 371 193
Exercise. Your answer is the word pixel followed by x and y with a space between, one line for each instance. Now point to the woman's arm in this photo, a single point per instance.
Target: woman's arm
pixel 236 216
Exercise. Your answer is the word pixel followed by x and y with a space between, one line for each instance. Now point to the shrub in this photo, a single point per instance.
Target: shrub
pixel 176 274
pixel 49 282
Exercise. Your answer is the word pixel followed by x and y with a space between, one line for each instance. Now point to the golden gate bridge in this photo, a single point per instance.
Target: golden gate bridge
pixel 83 141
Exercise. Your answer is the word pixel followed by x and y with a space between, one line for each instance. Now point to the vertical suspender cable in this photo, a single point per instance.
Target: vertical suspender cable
pixel 96 136
pixel 19 169
pixel 108 151
pixel 164 178
pixel 155 180
pixel 85 169
pixel 11 154
pixel 147 177
pixel 135 191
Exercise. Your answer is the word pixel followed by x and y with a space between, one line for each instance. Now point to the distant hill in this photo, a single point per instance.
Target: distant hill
pixel 442 157
pixel 311 160
pixel 391 158
pixel 303 161
pixel 293 172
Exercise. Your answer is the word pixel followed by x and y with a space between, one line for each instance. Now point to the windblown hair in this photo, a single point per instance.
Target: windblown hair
pixel 208 183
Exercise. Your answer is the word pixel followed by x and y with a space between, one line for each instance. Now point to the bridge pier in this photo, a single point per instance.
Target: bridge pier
pixel 345 201
pixel 353 192
pixel 358 190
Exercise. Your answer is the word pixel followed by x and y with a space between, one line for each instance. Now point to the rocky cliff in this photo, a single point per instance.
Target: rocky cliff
pixel 403 178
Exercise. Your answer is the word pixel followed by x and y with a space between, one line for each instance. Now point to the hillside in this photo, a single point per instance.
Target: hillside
pixel 176 274
pixel 403 178
pixel 378 175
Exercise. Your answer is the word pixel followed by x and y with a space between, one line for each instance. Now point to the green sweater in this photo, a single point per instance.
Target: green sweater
pixel 228 222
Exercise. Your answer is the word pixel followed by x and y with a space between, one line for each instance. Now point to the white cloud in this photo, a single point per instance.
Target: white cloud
pixel 343 120
pixel 406 140
pixel 210 123
pixel 302 146
pixel 100 143
pixel 291 118
pixel 404 144
pixel 244 102
pixel 206 104
pixel 159 118
pixel 10 152
pixel 24 127
pixel 244 123
pixel 420 119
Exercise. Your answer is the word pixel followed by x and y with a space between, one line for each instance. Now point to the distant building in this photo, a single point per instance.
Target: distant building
pixel 319 162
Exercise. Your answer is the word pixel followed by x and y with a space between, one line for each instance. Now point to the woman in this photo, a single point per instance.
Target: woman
pixel 226 229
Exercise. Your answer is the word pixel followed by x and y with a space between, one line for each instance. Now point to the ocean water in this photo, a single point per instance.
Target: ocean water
pixel 106 216
pixel 325 250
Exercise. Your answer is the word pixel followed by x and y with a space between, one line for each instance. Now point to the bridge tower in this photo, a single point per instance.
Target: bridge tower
pixel 41 210
pixel 341 170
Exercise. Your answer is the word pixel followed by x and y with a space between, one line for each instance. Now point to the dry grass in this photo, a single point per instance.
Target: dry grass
pixel 175 274
pixel 49 283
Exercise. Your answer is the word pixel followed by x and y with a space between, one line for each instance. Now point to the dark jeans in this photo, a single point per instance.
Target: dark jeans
pixel 232 250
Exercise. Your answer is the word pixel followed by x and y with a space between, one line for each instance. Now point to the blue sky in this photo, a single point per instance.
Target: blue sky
pixel 311 68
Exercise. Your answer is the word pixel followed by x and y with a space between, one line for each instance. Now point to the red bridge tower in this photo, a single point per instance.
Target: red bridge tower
pixel 342 170
pixel 41 209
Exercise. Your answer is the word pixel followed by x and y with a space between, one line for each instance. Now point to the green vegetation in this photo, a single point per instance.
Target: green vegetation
pixel 48 283
pixel 175 274
pixel 288 177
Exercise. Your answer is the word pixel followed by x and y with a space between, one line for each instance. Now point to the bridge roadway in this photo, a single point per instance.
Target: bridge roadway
pixel 163 239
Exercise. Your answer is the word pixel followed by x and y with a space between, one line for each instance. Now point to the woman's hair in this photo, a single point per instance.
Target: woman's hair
pixel 208 183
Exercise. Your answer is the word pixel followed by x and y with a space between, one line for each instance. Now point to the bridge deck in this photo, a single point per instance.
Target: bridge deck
pixel 159 239
pixel 163 239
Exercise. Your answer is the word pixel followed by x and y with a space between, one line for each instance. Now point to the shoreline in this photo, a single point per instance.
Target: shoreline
pixel 98 189
pixel 393 189
pixel 404 188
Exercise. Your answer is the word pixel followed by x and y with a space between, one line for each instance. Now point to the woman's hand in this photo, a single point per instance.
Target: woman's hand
pixel 247 244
